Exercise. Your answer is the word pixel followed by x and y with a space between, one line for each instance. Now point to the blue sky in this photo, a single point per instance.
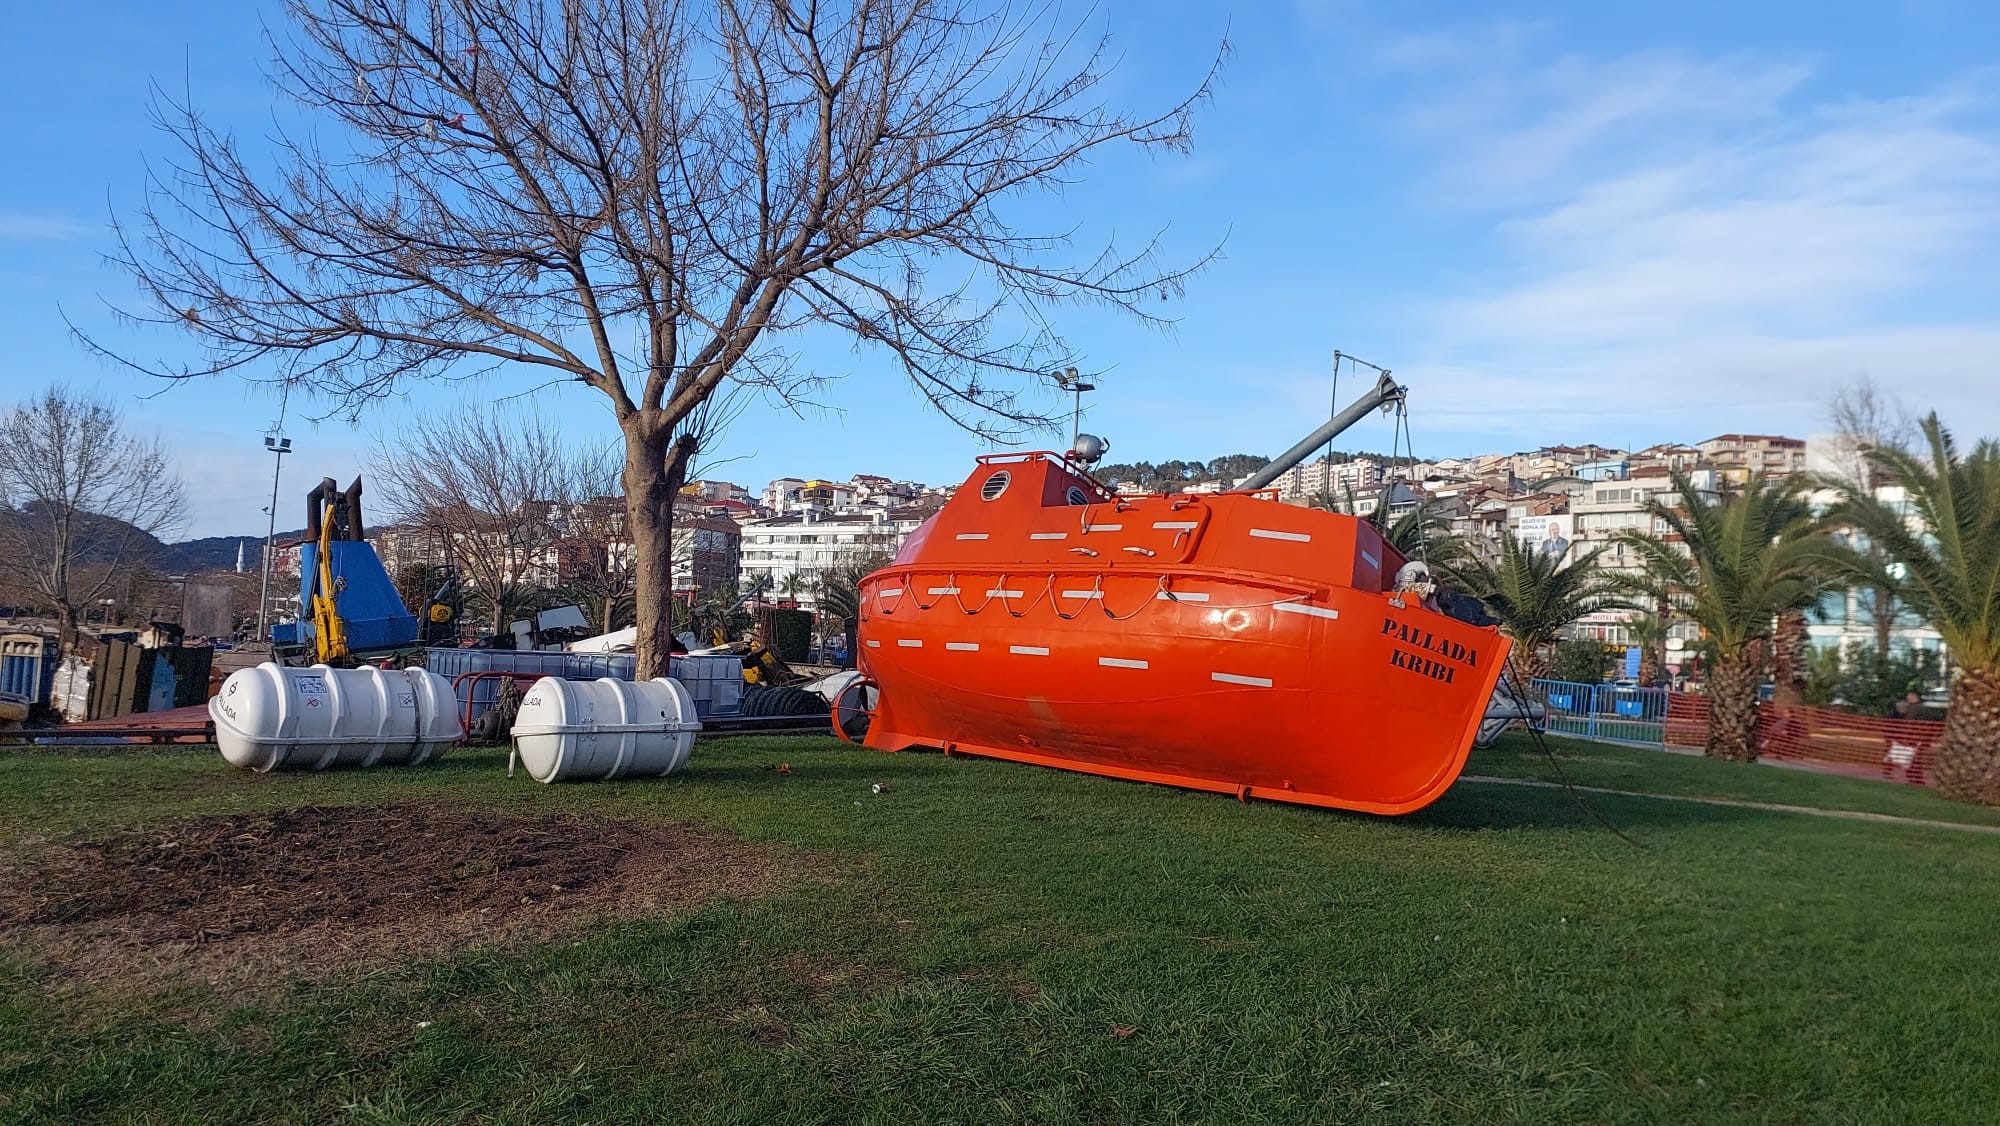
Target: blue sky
pixel 1557 224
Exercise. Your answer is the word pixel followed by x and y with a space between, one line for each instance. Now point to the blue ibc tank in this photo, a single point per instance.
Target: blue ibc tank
pixel 27 665
pixel 363 595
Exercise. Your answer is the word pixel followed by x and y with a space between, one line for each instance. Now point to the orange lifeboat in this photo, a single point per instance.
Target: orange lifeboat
pixel 1221 642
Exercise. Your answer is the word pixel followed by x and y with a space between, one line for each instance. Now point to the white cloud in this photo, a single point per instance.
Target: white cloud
pixel 1699 387
pixel 1511 125
pixel 1698 239
pixel 19 226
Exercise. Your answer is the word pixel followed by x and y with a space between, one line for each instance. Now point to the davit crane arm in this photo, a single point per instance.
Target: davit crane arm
pixel 1385 392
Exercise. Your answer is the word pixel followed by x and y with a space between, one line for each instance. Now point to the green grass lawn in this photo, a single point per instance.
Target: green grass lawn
pixel 994 942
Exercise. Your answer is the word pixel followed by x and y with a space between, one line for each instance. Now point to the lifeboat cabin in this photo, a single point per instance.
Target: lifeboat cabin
pixel 1221 642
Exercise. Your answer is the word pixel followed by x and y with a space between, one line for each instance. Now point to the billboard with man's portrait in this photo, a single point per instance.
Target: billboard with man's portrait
pixel 1550 535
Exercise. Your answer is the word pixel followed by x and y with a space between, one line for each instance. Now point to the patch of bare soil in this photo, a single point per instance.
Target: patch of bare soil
pixel 239 897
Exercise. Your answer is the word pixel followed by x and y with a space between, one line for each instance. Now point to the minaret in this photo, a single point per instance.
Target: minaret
pixel 239 557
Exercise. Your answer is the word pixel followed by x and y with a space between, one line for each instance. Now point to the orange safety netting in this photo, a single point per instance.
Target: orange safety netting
pixel 1824 738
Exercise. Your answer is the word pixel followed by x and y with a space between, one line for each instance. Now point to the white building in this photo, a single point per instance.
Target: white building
pixel 779 495
pixel 1319 477
pixel 807 543
pixel 1847 618
pixel 1609 508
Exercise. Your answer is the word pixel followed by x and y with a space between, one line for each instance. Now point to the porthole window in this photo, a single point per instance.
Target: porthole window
pixel 994 486
pixel 1078 496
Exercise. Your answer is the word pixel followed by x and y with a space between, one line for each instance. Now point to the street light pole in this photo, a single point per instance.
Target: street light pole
pixel 1068 380
pixel 280 447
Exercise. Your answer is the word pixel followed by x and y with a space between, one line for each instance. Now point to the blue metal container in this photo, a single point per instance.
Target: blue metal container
pixel 596 666
pixel 28 665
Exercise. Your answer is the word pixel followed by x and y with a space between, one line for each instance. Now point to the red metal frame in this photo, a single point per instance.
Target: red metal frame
pixel 473 679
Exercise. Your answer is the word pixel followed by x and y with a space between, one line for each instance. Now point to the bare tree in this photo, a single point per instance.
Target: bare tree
pixel 495 487
pixel 1869 418
pixel 1866 417
pixel 530 184
pixel 594 552
pixel 80 498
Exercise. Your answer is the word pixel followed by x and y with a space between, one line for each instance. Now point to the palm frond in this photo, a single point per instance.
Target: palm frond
pixel 1732 564
pixel 1535 595
pixel 1947 567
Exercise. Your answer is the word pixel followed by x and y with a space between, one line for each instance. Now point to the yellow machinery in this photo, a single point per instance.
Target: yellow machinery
pixel 352 606
pixel 760 664
pixel 329 631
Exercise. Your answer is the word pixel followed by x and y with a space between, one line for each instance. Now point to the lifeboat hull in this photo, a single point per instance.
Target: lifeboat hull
pixel 1224 643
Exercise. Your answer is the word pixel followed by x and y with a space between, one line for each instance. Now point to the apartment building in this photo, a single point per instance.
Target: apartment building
pixel 400 546
pixel 1764 455
pixel 1669 456
pixel 1319 477
pixel 1478 518
pixel 788 495
pixel 806 543
pixel 708 552
pixel 1613 507
pixel 779 494
pixel 716 492
pixel 1557 461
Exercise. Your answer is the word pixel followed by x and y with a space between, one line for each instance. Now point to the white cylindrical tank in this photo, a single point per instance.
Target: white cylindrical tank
pixel 596 730
pixel 271 717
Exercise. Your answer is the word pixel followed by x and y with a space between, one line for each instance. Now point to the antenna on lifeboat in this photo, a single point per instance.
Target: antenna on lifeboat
pixel 1070 381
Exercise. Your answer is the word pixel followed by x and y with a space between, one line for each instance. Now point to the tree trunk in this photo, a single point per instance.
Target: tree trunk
pixel 656 467
pixel 1788 659
pixel 1529 662
pixel 1732 707
pixel 1968 756
pixel 1649 665
pixel 67 636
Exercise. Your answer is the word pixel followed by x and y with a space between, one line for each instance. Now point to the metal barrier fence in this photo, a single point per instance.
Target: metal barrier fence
pixel 1824 739
pixel 1616 713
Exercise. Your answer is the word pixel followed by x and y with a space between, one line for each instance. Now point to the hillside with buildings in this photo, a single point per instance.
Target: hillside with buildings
pixel 796 529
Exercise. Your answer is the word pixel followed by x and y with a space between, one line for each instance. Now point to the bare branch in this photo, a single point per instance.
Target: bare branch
pixel 80 499
pixel 527 185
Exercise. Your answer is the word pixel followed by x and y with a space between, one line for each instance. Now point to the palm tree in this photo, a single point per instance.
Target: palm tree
pixel 840 592
pixel 1649 632
pixel 840 586
pixel 1535 595
pixel 1733 565
pixel 1791 666
pixel 1422 532
pixel 1822 676
pixel 1948 572
pixel 793 585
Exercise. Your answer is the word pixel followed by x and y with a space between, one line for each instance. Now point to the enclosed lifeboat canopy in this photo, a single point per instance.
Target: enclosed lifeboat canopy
pixel 1222 642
